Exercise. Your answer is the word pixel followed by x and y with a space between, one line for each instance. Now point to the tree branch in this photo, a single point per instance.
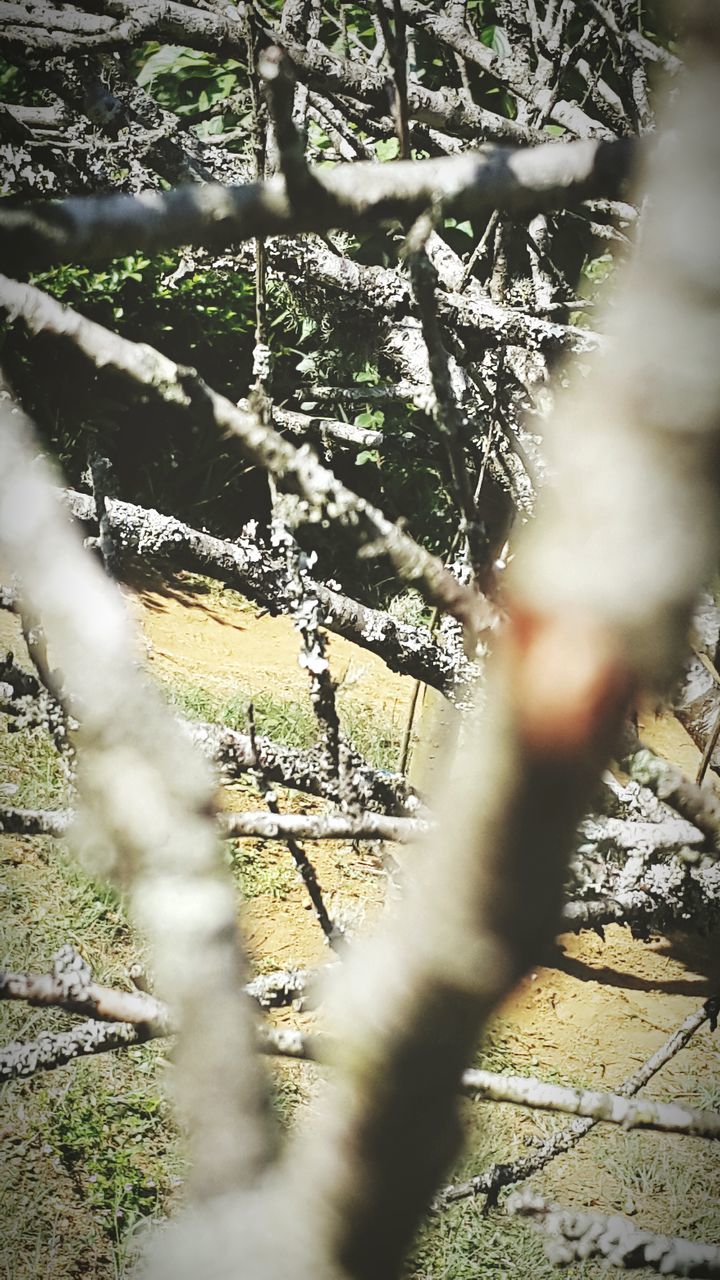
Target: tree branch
pixel 576 1236
pixel 95 229
pixel 296 470
pixel 491 1182
pixel 146 800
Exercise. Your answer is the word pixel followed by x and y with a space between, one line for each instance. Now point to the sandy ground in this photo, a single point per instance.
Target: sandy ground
pixel 591 1014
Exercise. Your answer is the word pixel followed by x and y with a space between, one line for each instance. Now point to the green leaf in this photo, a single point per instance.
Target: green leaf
pixel 387 148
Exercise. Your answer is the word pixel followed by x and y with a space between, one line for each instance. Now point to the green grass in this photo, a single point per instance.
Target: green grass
pixel 29 761
pixel 91 1151
pixel 263 871
pixel 463 1244
pixel 664 1180
pixel 289 721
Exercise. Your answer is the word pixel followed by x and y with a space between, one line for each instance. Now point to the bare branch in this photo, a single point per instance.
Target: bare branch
pixel 35 822
pixel 259 825
pixel 576 1235
pixel 297 470
pixel 52 1049
pixel 698 804
pixel 497 1176
pixel 146 798
pixel 360 194
pixel 248 565
pixel 234 753
pixel 612 1108
pixel 63 990
pixel 331 826
pixel 584 630
pixel 509 71
pixel 153 1019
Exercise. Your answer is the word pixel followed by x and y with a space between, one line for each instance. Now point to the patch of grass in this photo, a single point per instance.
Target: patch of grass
pixel 90 1149
pixel 29 761
pixel 115 1146
pixel 262 870
pixel 664 1180
pixel 289 721
pixel 463 1244
pixel 704 1094
pixel 375 736
pixel 284 720
pixel 292 1085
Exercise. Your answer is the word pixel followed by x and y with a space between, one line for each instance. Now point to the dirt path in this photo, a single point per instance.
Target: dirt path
pixel 590 1015
pixel 201 634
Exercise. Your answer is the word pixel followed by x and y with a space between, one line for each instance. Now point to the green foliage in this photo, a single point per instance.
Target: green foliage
pixel 31 768
pixel 262 871
pixel 187 81
pixel 115 1146
pixel 195 307
pixel 16 86
pixel 289 721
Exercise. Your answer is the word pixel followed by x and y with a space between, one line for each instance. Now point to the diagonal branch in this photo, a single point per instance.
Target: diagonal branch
pixel 492 1181
pixel 293 469
pixel 575 1235
pixel 247 564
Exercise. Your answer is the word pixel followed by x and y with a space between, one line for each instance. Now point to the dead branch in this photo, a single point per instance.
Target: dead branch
pixel 331 826
pixel 74 991
pixel 52 1049
pixel 235 754
pixel 250 566
pixel 35 822
pixel 575 1235
pixel 147 801
pixel 510 72
pixel 612 1108
pixel 698 804
pixel 354 195
pixel 296 470
pixel 652 899
pixel 260 825
pixel 492 1181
